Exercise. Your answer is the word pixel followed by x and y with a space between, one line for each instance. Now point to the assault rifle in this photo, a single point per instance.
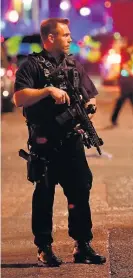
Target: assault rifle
pixel 78 113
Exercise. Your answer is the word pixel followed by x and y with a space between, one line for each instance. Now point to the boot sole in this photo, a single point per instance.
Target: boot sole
pixel 46 264
pixel 88 261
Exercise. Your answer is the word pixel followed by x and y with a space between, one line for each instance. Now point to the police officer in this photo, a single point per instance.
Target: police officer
pixel 62 151
pixel 125 82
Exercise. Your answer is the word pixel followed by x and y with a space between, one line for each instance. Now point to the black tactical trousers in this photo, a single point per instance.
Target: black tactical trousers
pixel 119 103
pixel 69 168
pixel 126 93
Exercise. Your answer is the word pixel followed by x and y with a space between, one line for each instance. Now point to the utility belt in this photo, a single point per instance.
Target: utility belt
pixel 47 141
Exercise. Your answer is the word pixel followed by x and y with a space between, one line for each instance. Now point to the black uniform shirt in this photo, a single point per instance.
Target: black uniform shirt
pixel 29 75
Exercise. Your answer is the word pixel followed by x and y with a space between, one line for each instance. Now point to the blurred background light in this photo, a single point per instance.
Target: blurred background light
pixel 17 5
pixel 91 17
pixel 34 47
pixel 124 73
pixel 65 5
pixel 103 30
pixel 27 4
pixel 85 11
pixel 86 39
pixel 5 93
pixel 12 16
pixel 2 72
pixel 2 25
pixel 111 51
pixel 114 58
pixel 117 35
pixel 84 52
pixel 107 4
pixel 74 48
pixel 9 73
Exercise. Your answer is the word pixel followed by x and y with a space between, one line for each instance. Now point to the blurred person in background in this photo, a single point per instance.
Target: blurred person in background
pixel 125 81
pixel 64 158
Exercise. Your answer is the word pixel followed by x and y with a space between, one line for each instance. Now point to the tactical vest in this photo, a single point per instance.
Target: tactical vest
pixel 45 111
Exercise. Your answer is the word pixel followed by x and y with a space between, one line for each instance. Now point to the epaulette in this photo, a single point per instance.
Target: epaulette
pixel 34 54
pixel 33 57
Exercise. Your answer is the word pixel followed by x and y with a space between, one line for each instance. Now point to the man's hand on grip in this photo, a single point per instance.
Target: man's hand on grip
pixel 59 95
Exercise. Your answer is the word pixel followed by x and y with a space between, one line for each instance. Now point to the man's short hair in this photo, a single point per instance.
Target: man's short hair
pixel 49 26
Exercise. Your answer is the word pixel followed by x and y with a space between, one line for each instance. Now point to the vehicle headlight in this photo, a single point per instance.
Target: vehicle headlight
pixel 5 93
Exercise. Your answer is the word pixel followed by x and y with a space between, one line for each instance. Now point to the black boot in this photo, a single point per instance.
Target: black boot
pixel 83 253
pixel 47 257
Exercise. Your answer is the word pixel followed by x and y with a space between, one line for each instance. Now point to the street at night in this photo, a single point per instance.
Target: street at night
pixel 111 200
pixel 48 50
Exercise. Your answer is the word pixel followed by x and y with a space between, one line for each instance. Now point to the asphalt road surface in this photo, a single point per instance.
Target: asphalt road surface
pixel 111 201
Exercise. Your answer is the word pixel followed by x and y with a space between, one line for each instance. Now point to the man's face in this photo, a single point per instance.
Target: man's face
pixel 62 39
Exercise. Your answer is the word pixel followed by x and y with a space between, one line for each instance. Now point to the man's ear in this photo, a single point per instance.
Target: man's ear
pixel 51 38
